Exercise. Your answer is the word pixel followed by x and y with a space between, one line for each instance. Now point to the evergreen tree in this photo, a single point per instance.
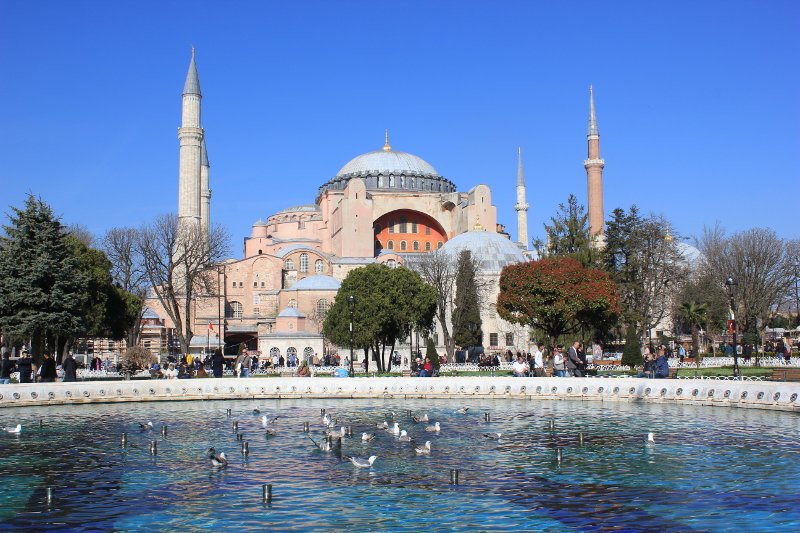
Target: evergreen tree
pixel 568 235
pixel 430 351
pixel 466 312
pixel 632 353
pixel 42 286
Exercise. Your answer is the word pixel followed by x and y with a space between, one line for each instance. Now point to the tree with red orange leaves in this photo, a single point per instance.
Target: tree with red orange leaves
pixel 558 296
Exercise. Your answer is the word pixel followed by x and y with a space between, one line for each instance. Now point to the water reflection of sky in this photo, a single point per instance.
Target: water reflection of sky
pixel 711 469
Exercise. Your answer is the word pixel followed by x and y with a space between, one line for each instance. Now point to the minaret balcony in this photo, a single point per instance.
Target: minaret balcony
pixel 521 207
pixel 594 163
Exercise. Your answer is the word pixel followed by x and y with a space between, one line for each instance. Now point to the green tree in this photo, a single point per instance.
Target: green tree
pixel 695 314
pixel 568 235
pixel 430 351
pixel 632 353
pixel 42 285
pixel 466 314
pixel 557 296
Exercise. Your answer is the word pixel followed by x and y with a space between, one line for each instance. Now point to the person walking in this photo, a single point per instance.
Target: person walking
pixel 538 361
pixel 247 360
pixel 559 364
pixel 6 367
pixel 217 363
pixel 70 367
pixel 47 373
pixel 573 361
pixel 25 366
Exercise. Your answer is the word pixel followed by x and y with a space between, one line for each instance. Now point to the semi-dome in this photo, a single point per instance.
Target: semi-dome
pixel 320 282
pixel 492 250
pixel 390 170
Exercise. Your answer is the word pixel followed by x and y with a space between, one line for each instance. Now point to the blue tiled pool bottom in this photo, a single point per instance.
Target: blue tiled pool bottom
pixel 711 469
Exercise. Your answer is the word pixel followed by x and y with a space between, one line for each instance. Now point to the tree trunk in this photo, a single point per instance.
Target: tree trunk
pixel 391 354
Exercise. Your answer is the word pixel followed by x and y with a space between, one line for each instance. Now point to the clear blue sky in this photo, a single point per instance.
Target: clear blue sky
pixel 698 103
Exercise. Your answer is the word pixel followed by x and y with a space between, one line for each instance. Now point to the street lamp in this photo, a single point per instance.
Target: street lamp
pixel 729 283
pixel 351 300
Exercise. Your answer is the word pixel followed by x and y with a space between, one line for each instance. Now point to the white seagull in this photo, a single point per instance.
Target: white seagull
pixel 382 425
pixel 217 459
pixel 361 463
pixel 650 441
pixel 366 437
pixel 395 429
pixel 338 433
pixel 15 430
pixel 425 449
pixel 146 427
pixel 404 437
pixel 463 410
pixel 436 428
pixel 423 418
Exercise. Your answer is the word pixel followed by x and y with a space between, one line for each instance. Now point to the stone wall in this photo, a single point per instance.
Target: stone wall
pixel 747 394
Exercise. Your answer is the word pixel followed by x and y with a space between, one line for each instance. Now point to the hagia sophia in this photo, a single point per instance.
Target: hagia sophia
pixel 385 206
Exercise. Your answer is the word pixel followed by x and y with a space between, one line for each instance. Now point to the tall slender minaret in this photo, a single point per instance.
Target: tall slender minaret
pixel 521 205
pixel 190 135
pixel 205 190
pixel 594 175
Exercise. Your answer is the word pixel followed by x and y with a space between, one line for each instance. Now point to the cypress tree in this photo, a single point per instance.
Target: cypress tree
pixel 42 286
pixel 430 351
pixel 466 312
pixel 632 353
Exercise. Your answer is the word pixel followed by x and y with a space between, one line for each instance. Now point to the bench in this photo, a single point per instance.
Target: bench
pixel 288 373
pixel 673 373
pixel 407 373
pixel 786 374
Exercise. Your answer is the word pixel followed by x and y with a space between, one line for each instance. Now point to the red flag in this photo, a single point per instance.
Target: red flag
pixel 211 327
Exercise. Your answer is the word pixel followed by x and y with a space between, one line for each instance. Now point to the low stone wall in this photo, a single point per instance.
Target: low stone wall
pixel 758 395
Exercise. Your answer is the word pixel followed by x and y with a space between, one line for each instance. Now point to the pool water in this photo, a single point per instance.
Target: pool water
pixel 710 469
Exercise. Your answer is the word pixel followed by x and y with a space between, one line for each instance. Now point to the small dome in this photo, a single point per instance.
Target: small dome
pixel 317 283
pixel 259 223
pixel 291 312
pixel 492 249
pixel 388 162
pixel 690 254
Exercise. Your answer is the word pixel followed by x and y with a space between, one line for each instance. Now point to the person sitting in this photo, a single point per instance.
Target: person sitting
pixel 427 368
pixel 183 372
pixel 661 367
pixel 649 365
pixel 520 367
pixel 170 372
pixel 304 370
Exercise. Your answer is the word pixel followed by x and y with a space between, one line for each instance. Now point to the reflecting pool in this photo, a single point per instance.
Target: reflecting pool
pixel 710 469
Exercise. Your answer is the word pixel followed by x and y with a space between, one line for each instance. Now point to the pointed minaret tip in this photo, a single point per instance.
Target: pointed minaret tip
pixel 386 146
pixel 520 172
pixel 192 85
pixel 593 130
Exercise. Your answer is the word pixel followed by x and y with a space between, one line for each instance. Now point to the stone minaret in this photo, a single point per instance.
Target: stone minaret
pixel 594 175
pixel 521 205
pixel 205 191
pixel 190 135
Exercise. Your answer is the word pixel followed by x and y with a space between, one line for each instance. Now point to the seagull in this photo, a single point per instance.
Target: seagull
pixel 382 425
pixel 15 430
pixel 493 436
pixel 256 411
pixel 425 449
pixel 146 427
pixel 266 422
pixel 324 445
pixel 271 432
pixel 404 437
pixel 463 410
pixel 326 420
pixel 436 428
pixel 217 459
pixel 361 463
pixel 395 429
pixel 366 437
pixel 650 441
pixel 418 419
pixel 339 433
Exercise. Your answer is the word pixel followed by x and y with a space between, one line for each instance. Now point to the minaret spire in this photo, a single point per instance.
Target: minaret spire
pixel 386 146
pixel 191 136
pixel 522 205
pixel 594 165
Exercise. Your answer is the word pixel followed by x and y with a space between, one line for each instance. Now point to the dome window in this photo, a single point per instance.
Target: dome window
pixel 416 246
pixel 427 246
pixel 403 225
pixel 390 245
pixel 288 264
pixel 439 245
pixel 402 246
pixel 319 266
pixel 303 262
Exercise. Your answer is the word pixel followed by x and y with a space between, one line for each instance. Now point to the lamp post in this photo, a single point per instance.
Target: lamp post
pixel 351 300
pixel 729 283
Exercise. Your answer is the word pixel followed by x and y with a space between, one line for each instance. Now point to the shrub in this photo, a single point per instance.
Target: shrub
pixel 632 354
pixel 134 359
pixel 430 351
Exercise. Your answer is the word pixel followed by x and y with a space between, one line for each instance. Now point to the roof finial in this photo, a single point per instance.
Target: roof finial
pixel 593 130
pixel 477 226
pixel 386 146
pixel 668 236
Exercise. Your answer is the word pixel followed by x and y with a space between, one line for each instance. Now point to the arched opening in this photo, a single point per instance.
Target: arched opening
pixel 407 226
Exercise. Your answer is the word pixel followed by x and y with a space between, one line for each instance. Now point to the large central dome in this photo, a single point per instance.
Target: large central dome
pixel 390 170
pixel 388 162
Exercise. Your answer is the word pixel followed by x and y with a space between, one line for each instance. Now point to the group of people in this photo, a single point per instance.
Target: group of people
pixel 655 363
pixel 569 362
pixel 30 372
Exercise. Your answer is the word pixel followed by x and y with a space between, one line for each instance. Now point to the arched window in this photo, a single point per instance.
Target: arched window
pixel 390 245
pixel 427 230
pixel 288 264
pixel 235 310
pixel 322 307
pixel 411 183
pixel 292 303
pixel 391 181
pixel 414 226
pixel 402 246
pixel 308 354
pixel 303 262
pixel 439 245
pixel 319 266
pixel 391 226
pixel 428 246
pixel 290 351
pixel 274 352
pixel 391 263
pixel 416 246
pixel 403 225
